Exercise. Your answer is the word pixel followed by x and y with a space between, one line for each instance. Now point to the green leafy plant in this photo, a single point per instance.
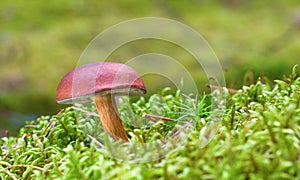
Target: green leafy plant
pixel 259 138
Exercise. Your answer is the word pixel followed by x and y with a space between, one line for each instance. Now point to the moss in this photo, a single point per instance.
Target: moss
pixel 258 138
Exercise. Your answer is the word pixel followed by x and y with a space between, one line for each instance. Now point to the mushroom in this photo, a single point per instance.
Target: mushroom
pixel 101 82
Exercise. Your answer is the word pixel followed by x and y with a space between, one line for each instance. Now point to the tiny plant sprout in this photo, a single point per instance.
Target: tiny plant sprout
pixel 100 82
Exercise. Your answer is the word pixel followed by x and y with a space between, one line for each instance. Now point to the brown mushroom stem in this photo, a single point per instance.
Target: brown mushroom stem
pixel 110 119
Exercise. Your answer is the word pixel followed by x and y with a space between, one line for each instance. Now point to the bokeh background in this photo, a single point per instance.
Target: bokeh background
pixel 41 41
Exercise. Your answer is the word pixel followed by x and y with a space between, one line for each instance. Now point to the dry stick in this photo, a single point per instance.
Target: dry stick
pixel 95 140
pixel 31 126
pixel 11 175
pixel 231 91
pixel 245 123
pixel 28 166
pixel 50 123
pixel 7 155
pixel 216 80
pixel 152 117
pixel 86 112
pixel 62 110
pixel 175 134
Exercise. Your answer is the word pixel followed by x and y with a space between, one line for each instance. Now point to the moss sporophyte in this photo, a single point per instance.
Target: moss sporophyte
pixel 259 138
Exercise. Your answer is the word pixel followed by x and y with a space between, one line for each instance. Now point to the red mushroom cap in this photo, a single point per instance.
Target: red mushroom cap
pixel 99 78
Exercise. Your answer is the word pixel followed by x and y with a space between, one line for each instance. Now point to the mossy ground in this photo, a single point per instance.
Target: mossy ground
pixel 258 138
pixel 41 42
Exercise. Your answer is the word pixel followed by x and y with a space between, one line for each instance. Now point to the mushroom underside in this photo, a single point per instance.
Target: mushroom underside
pixel 116 92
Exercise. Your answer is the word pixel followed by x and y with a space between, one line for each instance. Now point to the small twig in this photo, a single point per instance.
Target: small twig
pixel 11 175
pixel 231 91
pixel 6 156
pixel 48 125
pixel 245 123
pixel 62 110
pixel 24 136
pixel 153 117
pixel 232 116
pixel 86 112
pixel 31 126
pixel 215 79
pixel 176 132
pixel 51 129
pixel 28 166
pixel 95 140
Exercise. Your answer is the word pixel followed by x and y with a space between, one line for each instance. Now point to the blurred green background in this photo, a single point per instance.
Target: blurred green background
pixel 41 41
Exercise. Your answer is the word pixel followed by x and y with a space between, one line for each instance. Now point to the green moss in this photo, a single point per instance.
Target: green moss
pixel 259 138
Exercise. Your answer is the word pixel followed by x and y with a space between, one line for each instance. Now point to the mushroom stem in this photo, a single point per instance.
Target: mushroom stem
pixel 110 119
